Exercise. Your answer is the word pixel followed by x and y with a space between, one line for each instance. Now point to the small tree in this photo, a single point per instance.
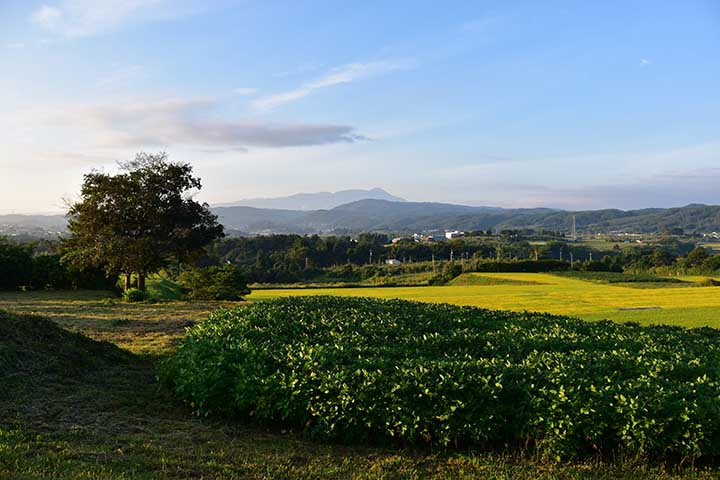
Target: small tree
pixel 214 283
pixel 140 220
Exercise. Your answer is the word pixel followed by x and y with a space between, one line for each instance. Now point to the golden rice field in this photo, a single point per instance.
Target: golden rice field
pixel 689 307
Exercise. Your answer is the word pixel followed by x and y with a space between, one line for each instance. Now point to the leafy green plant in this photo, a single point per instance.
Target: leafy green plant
pixel 214 283
pixel 135 295
pixel 358 369
pixel 450 271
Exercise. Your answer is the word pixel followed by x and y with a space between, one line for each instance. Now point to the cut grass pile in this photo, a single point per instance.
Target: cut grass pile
pixel 143 328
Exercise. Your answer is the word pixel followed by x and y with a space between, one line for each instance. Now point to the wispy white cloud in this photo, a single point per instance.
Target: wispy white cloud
pixel 665 189
pixel 302 69
pixel 188 122
pixel 245 91
pixel 648 180
pixel 81 18
pixel 15 45
pixel 48 17
pixel 644 62
pixel 339 75
pixel 120 75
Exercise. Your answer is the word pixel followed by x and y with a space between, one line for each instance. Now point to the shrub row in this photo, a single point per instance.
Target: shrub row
pixel 615 277
pixel 524 266
pixel 21 269
pixel 357 369
pixel 214 283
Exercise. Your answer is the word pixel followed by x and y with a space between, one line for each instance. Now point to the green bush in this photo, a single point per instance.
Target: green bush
pixel 135 295
pixel 449 272
pixel 525 266
pixel 22 269
pixel 214 283
pixel 357 369
pixel 617 277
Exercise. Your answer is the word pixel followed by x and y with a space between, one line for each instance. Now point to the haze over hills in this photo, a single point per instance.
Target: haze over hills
pixel 315 201
pixel 402 217
pixel 407 217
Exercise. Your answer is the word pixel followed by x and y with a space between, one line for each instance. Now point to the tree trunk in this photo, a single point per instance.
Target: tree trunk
pixel 127 281
pixel 141 281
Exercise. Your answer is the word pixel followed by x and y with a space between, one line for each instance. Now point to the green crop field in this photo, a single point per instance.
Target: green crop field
pixel 689 307
pixel 360 369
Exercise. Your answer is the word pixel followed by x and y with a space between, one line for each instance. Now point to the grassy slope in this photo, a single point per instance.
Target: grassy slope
pixel 76 408
pixel 690 307
pixel 467 279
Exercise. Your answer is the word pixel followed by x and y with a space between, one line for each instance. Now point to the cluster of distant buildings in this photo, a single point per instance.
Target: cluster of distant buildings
pixel 19 231
pixel 432 237
pixel 425 238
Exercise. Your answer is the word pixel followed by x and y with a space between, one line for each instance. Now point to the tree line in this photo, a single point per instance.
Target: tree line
pixel 145 218
pixel 33 266
pixel 291 258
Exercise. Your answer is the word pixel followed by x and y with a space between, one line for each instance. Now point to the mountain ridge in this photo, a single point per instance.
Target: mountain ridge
pixel 315 200
pixel 369 215
pixel 406 217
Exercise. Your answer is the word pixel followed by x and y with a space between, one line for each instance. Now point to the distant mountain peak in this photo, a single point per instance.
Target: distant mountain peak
pixel 316 200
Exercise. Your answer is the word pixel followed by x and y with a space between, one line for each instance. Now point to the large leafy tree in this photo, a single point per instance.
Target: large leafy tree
pixel 141 219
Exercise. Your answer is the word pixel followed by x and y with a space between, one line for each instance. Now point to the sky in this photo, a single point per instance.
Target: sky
pixel 564 104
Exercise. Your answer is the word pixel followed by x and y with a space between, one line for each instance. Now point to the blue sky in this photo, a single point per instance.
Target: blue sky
pixel 556 103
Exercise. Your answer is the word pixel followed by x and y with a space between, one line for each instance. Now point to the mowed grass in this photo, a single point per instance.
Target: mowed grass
pixel 107 417
pixel 141 328
pixel 689 307
pixel 103 416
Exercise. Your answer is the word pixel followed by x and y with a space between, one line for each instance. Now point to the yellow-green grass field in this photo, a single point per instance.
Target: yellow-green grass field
pixel 689 307
pixel 714 246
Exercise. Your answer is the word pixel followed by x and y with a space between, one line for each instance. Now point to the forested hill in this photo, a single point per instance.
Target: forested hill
pixel 410 217
pixel 399 217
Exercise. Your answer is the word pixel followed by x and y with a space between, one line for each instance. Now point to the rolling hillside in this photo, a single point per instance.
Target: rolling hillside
pixel 409 217
pixel 398 217
pixel 315 201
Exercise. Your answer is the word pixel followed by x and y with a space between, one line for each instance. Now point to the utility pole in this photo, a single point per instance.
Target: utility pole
pixel 572 259
pixel 433 262
pixel 371 256
pixel 451 254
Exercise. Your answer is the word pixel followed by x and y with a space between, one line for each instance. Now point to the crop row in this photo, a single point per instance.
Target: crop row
pixel 359 369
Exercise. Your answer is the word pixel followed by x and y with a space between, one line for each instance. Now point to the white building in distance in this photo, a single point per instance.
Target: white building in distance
pixel 454 234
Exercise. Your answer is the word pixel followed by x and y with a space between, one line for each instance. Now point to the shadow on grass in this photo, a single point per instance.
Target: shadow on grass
pixel 72 407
